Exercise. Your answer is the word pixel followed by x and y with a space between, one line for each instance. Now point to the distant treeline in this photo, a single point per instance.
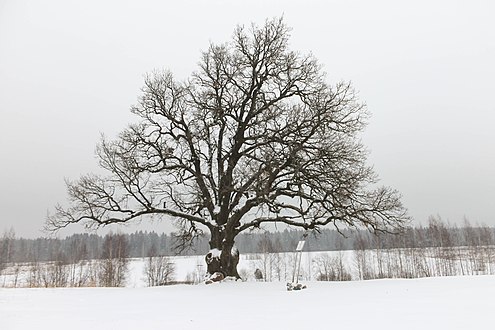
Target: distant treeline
pixel 143 244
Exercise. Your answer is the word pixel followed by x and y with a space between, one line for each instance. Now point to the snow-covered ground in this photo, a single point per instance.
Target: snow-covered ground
pixel 430 303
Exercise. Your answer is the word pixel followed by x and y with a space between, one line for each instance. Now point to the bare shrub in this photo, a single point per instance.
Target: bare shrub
pixel 54 274
pixel 159 270
pixel 329 268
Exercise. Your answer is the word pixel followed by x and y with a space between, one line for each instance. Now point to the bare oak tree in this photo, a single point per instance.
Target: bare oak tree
pixel 255 136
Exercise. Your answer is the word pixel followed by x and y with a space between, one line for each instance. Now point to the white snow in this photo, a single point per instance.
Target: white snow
pixel 215 253
pixel 431 303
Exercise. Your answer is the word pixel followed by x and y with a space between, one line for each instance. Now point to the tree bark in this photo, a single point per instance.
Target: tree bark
pixel 223 256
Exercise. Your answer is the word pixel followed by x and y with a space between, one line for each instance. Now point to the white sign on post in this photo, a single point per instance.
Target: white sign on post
pixel 300 246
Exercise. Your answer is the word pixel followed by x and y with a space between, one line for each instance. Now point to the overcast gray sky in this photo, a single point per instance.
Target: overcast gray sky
pixel 70 70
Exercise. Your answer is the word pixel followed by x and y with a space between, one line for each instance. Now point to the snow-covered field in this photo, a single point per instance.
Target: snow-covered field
pixel 429 303
pixel 432 303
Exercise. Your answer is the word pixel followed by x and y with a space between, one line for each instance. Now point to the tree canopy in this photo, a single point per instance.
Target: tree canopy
pixel 256 135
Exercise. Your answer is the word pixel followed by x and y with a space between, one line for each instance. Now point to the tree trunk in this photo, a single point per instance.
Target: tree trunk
pixel 223 256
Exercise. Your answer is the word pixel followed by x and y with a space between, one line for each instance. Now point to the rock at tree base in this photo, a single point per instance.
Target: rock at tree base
pixel 215 277
pixel 295 286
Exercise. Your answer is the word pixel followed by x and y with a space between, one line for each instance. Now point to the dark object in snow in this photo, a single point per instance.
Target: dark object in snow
pixel 295 286
pixel 258 274
pixel 215 277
